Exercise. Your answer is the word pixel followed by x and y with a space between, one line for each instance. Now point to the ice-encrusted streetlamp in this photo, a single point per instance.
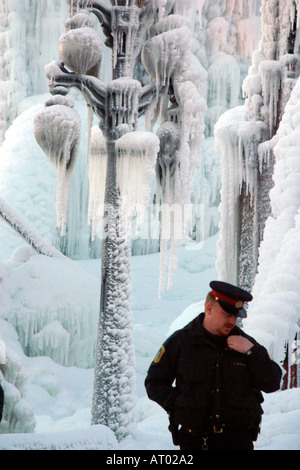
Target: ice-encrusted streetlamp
pixel 118 105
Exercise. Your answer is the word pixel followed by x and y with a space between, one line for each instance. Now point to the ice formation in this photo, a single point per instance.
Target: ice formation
pixel 276 291
pixel 232 31
pixel 260 194
pixel 241 15
pixel 165 48
pixel 227 36
pixel 29 32
pixel 248 138
pixel 20 225
pixel 137 153
pixel 57 131
pixel 122 105
pixel 92 438
pixel 52 341
pixel 18 415
pixel 81 50
pixel 59 319
pixel 97 178
pixel 81 19
pixel 218 38
pixel 236 138
pixel 168 59
pixel 114 384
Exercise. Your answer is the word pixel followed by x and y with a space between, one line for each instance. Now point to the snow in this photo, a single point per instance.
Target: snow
pixel 61 396
pixel 49 305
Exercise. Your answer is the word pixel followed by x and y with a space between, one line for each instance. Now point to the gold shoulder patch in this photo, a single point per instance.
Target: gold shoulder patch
pixel 159 354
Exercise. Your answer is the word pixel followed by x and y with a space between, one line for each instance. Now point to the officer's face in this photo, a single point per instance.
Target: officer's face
pixel 217 321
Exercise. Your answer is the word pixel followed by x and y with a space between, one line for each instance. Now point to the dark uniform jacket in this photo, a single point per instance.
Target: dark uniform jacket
pixel 214 385
pixel 1 401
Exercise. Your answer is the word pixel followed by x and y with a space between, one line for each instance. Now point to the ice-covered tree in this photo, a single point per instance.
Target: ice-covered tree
pixel 245 137
pixel 260 174
pixel 227 34
pixel 174 96
pixel 275 312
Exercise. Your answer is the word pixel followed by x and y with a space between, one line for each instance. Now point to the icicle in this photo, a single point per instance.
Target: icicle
pixel 89 130
pixel 57 131
pixel 52 341
pixel 61 321
pixel 274 314
pixel 186 8
pixel 167 55
pixel 162 52
pixel 137 152
pixel 270 71
pixel 237 139
pixel 97 178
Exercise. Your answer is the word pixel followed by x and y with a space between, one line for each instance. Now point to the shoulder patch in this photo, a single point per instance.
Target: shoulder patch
pixel 159 354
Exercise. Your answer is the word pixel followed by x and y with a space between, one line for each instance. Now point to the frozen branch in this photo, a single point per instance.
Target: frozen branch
pixel 26 231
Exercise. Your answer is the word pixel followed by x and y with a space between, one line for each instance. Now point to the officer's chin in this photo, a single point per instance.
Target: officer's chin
pixel 226 330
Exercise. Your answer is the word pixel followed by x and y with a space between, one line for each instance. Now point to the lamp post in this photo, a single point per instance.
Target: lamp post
pixel 118 105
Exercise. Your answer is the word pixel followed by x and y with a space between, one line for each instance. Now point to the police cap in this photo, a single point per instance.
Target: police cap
pixel 230 297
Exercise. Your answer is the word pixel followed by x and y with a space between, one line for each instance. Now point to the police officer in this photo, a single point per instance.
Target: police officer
pixel 219 373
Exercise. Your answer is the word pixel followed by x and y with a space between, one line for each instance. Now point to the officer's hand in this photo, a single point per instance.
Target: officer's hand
pixel 239 343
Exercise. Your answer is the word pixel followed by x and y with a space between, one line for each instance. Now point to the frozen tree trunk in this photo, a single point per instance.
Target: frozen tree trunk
pixel 254 210
pixel 248 246
pixel 263 202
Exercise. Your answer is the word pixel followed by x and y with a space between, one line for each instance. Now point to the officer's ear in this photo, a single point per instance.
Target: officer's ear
pixel 208 308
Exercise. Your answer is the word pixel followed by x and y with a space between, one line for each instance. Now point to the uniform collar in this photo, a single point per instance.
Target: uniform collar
pixel 198 331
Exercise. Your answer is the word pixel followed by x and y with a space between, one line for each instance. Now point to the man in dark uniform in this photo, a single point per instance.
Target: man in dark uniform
pixel 219 373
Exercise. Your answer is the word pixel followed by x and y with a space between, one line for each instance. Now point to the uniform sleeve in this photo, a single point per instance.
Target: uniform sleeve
pixel 265 372
pixel 161 375
pixel 1 402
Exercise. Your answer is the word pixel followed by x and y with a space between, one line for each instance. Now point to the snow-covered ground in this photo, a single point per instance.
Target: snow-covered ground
pixel 61 396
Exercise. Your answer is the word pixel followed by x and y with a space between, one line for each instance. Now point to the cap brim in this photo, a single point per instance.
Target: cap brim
pixel 242 313
pixel 232 310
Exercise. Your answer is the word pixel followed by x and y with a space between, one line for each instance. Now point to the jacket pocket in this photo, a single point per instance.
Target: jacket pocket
pixel 239 386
